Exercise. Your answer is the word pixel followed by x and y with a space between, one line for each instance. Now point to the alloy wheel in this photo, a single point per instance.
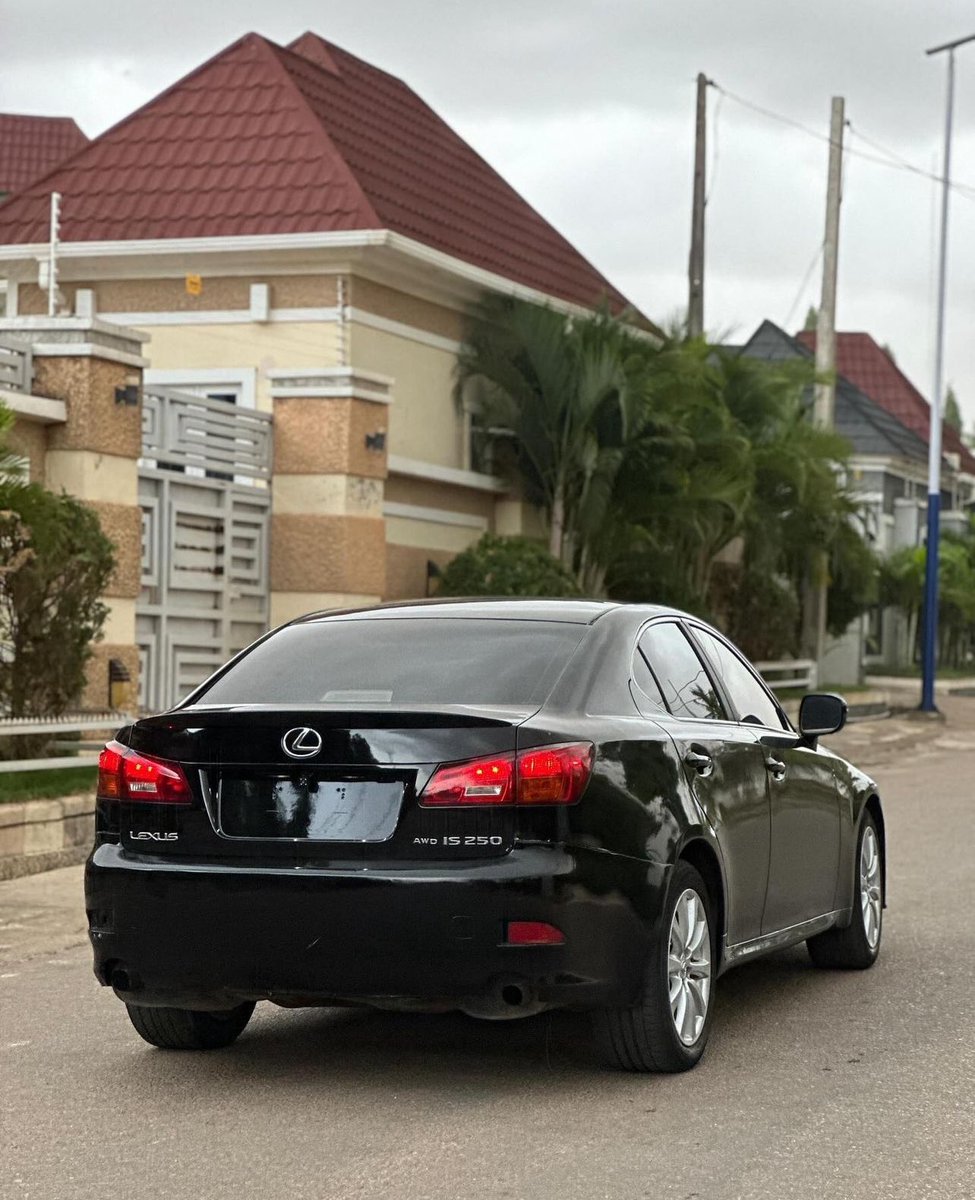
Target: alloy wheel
pixel 871 900
pixel 689 966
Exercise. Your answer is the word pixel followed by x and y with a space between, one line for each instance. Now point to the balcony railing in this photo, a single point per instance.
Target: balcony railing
pixel 16 366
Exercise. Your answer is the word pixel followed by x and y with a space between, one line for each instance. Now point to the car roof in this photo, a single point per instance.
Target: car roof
pixel 575 612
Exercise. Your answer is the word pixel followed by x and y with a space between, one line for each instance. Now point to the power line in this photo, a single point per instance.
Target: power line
pixel 885 158
pixel 805 283
pixel 715 126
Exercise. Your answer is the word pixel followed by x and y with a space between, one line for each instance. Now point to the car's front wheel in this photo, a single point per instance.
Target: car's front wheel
pixel 188 1029
pixel 667 1029
pixel 856 947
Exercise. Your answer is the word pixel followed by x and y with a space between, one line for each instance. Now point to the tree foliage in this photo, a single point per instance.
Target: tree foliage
pixel 952 415
pixel 673 472
pixel 55 563
pixel 11 470
pixel 901 585
pixel 506 566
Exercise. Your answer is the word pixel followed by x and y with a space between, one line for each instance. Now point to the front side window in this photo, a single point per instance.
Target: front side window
pixel 685 683
pixel 746 690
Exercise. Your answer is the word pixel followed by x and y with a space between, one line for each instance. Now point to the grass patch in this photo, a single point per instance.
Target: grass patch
pixel 16 786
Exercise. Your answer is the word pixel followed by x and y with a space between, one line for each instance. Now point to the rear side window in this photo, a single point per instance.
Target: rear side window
pixel 404 661
pixel 747 692
pixel 649 690
pixel 683 679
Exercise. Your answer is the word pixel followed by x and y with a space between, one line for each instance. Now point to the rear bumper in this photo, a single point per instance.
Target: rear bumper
pixel 210 936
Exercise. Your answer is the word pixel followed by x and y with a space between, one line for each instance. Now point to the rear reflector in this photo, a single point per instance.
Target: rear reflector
pixel 540 775
pixel 533 933
pixel 125 775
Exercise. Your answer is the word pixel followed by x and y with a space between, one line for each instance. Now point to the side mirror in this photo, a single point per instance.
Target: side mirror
pixel 821 713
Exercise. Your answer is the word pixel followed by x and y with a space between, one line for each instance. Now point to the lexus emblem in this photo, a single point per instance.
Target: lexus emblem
pixel 301 742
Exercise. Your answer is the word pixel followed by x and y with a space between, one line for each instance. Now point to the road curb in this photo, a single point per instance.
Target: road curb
pixel 39 835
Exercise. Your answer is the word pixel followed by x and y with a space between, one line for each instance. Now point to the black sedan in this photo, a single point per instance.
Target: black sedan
pixel 493 806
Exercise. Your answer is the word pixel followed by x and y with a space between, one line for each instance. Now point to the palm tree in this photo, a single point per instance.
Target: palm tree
pixel 559 388
pixel 11 465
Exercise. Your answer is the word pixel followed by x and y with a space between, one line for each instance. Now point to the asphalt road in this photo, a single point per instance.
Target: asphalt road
pixel 839 1085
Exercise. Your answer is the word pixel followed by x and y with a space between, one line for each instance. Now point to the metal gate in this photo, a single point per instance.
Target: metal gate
pixel 204 490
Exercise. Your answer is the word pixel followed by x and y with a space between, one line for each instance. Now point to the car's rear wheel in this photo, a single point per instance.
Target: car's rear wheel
pixel 856 947
pixel 667 1029
pixel 187 1029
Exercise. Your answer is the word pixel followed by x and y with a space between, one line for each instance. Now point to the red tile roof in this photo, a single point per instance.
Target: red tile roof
pixel 870 368
pixel 264 140
pixel 31 146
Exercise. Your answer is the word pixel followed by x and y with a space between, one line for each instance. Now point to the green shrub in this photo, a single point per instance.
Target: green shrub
pixel 55 563
pixel 506 566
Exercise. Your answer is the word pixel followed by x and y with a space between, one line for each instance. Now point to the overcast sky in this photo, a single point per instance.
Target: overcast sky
pixel 587 108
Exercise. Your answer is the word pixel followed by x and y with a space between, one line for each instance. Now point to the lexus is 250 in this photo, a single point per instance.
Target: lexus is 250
pixel 500 807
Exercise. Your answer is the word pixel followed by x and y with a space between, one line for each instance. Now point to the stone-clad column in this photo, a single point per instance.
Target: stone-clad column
pixel 328 538
pixel 96 369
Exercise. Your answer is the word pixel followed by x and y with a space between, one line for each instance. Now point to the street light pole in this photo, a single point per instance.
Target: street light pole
pixel 929 644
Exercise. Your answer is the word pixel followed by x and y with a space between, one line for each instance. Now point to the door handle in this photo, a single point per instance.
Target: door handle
pixel 775 767
pixel 702 763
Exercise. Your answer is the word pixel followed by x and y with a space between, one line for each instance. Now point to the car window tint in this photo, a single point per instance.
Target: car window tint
pixel 745 689
pixel 648 686
pixel 390 661
pixel 686 686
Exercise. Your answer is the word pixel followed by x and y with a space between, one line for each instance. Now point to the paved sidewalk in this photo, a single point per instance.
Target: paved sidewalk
pixel 42 915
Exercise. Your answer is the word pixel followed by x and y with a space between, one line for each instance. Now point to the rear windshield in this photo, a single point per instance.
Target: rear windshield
pixel 420 660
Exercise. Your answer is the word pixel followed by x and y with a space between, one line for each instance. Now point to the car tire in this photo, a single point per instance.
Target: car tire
pixel 856 947
pixel 187 1029
pixel 648 1036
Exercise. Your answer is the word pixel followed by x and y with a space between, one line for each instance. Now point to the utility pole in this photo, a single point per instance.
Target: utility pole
pixel 929 611
pixel 824 405
pixel 695 270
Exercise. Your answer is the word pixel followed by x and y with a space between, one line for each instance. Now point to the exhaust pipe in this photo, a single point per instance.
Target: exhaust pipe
pixel 506 999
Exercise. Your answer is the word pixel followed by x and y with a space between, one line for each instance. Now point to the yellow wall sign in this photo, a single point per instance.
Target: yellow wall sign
pixel 194 285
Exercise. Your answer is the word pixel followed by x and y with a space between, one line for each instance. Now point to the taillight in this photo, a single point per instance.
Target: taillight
pixel 541 775
pixel 554 774
pixel 125 775
pixel 484 781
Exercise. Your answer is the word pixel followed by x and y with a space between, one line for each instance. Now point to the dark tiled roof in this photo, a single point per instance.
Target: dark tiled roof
pixel 874 372
pixel 31 146
pixel 264 140
pixel 868 427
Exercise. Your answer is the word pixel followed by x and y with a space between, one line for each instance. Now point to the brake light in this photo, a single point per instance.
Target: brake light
pixel 554 774
pixel 484 781
pixel 125 775
pixel 541 775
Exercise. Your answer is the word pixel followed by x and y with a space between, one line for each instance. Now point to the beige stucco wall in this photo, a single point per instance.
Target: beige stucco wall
pixel 430 535
pixel 263 347
pixel 423 420
pixel 409 489
pixel 409 310
pixel 29 440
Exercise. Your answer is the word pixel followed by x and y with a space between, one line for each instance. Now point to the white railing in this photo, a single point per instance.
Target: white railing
pixel 16 366
pixel 789 673
pixel 106 722
pixel 183 430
